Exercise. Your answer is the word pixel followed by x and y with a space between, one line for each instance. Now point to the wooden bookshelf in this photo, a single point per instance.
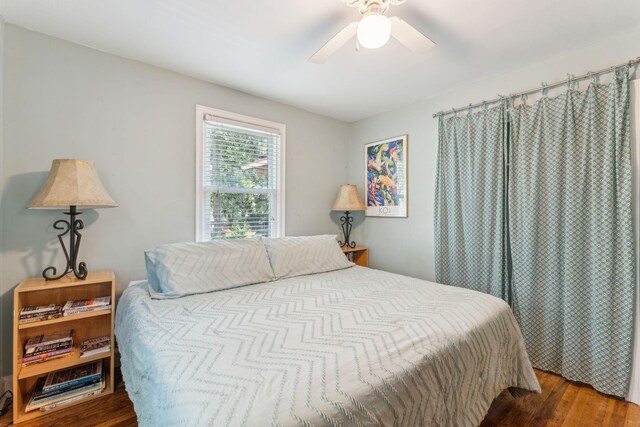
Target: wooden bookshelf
pixel 64 319
pixel 26 416
pixel 37 291
pixel 359 255
pixel 73 359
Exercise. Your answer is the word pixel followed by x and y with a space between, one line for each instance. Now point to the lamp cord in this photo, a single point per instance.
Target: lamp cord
pixel 7 402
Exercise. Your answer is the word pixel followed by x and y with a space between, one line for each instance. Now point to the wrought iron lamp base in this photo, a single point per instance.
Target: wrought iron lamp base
pixel 71 227
pixel 346 224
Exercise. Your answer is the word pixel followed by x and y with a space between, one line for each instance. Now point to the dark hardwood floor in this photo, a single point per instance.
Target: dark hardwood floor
pixel 561 403
pixel 114 410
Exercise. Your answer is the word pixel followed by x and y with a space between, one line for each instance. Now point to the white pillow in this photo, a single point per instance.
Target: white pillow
pixel 295 256
pixel 181 269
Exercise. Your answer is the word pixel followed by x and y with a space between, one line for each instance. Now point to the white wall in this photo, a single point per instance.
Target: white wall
pixel 137 123
pixel 406 245
pixel 2 326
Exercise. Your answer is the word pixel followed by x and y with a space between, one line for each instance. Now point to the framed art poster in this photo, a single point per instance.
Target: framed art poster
pixel 386 177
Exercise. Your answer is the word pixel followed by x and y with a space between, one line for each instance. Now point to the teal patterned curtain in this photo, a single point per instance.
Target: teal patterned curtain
pixel 571 233
pixel 469 203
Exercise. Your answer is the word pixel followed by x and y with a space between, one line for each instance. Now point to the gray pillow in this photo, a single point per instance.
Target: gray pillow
pixel 181 269
pixel 295 256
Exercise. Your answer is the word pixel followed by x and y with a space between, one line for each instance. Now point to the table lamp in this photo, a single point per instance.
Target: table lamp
pixel 348 200
pixel 74 184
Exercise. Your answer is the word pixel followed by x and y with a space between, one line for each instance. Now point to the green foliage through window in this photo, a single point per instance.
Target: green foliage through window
pixel 241 179
pixel 239 215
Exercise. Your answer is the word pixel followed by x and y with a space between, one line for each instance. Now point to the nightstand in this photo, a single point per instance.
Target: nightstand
pixel 37 291
pixel 358 255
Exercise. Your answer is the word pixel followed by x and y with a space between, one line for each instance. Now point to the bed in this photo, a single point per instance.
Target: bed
pixel 356 346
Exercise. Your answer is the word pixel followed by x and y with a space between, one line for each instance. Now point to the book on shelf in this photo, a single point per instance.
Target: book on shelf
pixel 45 339
pixel 86 310
pixel 42 356
pixel 66 378
pixel 85 304
pixel 41 395
pixel 42 399
pixel 46 348
pixel 72 399
pixel 54 310
pixel 41 314
pixel 51 312
pixel 40 318
pixel 46 357
pixel 95 346
pixel 33 309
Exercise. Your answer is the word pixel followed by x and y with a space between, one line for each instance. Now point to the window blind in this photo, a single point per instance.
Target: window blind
pixel 241 179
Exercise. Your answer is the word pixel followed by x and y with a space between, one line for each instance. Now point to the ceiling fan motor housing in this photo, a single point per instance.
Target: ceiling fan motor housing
pixel 374 7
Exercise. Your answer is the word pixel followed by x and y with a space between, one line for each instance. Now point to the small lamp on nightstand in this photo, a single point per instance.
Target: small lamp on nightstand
pixel 348 200
pixel 71 183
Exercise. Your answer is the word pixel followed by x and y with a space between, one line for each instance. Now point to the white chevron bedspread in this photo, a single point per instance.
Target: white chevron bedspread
pixel 353 347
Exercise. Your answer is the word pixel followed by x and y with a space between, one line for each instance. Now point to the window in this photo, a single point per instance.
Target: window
pixel 240 176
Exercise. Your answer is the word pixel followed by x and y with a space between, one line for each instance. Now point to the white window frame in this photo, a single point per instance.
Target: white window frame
pixel 248 121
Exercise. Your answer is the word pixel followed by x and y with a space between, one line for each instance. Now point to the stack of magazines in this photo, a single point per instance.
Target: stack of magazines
pixel 37 313
pixel 95 346
pixel 87 305
pixel 66 386
pixel 47 346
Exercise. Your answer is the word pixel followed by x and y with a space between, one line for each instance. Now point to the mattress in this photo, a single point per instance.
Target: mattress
pixel 353 347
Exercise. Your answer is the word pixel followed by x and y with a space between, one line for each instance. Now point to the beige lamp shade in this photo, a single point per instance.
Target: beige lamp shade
pixel 348 199
pixel 72 182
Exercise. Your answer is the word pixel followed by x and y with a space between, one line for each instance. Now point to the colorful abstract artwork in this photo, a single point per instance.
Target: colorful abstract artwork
pixel 386 177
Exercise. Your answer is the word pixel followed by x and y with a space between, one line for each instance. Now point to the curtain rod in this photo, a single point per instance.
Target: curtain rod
pixel 544 86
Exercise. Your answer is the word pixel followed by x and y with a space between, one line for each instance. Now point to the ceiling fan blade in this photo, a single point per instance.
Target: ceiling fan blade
pixel 334 44
pixel 409 36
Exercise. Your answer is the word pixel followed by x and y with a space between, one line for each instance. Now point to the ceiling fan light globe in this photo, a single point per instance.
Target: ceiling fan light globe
pixel 374 31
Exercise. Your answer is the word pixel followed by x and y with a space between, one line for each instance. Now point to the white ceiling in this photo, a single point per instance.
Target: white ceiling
pixel 261 46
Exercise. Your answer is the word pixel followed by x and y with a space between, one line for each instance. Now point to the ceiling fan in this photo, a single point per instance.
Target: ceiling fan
pixel 374 29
